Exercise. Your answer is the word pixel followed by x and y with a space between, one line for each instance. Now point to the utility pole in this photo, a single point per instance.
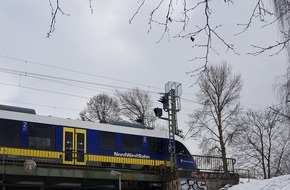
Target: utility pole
pixel 171 104
pixel 172 125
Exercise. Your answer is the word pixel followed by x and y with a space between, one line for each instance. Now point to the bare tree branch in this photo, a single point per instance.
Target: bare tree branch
pixel 280 45
pixel 207 29
pixel 91 7
pixel 137 11
pixel 260 12
pixel 54 11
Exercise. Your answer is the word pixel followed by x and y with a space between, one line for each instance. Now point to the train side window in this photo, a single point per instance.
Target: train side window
pixel 41 136
pixel 155 146
pixel 107 141
pixel 10 133
pixel 132 143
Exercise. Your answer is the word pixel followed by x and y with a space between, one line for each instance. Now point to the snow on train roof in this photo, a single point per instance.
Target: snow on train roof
pixel 82 124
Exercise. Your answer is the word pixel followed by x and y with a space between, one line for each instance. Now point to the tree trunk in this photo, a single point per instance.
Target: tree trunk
pixel 222 143
pixel 224 157
pixel 263 157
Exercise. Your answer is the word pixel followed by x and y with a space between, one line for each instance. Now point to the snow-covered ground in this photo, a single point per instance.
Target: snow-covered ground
pixel 275 183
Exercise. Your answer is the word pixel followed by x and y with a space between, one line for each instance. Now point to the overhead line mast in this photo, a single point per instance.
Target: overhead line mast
pixel 171 104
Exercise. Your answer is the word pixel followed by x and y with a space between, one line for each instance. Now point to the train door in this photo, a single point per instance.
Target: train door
pixel 74 146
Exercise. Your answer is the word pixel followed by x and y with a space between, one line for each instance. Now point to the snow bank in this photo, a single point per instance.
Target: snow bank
pixel 275 183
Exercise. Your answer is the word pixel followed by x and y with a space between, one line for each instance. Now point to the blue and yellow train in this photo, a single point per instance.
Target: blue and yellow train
pixel 25 135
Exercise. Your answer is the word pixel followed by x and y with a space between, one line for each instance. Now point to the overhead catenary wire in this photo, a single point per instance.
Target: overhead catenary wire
pixel 43 90
pixel 41 105
pixel 104 77
pixel 73 71
pixel 80 72
pixel 81 83
pixel 30 74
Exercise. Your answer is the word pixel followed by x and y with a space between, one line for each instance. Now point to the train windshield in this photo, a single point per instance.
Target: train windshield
pixel 181 149
pixel 183 157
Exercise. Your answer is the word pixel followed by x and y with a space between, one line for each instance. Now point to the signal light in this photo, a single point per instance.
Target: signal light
pixel 165 101
pixel 158 112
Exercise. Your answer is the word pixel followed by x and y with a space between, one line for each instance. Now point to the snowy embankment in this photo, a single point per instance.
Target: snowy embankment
pixel 275 183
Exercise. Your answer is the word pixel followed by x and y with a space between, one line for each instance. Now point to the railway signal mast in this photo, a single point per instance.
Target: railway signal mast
pixel 171 104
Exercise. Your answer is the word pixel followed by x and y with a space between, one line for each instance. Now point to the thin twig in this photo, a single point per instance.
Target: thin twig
pixel 54 12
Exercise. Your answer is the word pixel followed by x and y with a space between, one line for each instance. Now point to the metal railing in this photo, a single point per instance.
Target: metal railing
pixel 246 173
pixel 207 163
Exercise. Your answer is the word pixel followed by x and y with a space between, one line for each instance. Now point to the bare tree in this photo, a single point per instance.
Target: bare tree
pixel 136 105
pixel 263 143
pixel 282 86
pixel 170 9
pixel 282 10
pixel 209 32
pixel 285 165
pixel 182 18
pixel 219 93
pixel 280 15
pixel 181 14
pixel 102 108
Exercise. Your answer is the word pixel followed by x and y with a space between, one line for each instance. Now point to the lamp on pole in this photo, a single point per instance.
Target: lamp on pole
pixel 116 173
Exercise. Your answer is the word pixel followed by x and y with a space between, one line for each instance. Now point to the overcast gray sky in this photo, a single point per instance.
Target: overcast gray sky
pixel 103 48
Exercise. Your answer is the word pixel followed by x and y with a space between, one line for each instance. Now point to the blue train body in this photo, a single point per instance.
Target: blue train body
pixel 74 142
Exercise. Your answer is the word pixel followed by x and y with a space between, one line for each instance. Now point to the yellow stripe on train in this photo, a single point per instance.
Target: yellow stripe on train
pixel 89 157
pixel 30 153
pixel 126 160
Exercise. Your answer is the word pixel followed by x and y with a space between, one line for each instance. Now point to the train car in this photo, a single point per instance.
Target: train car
pixel 50 140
